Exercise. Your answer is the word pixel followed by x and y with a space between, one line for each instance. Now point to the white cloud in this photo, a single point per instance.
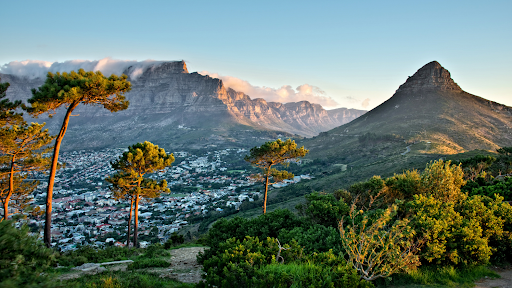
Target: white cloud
pixel 284 94
pixel 107 66
pixel 366 103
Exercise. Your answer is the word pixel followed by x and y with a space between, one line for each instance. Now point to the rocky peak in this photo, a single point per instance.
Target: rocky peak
pixel 430 76
pixel 157 70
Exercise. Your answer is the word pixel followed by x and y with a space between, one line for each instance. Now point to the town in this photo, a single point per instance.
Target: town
pixel 86 213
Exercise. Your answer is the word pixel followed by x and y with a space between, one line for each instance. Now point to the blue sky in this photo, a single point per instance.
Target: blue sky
pixel 352 51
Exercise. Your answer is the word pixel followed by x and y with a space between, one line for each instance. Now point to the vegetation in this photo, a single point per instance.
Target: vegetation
pixel 70 90
pixel 24 260
pixel 273 153
pixel 129 182
pixel 21 148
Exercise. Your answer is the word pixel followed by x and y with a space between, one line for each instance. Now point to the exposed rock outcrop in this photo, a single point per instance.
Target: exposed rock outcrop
pixel 167 95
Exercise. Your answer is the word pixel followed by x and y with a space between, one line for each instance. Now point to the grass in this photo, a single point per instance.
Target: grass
pixel 438 277
pixel 186 245
pixel 120 279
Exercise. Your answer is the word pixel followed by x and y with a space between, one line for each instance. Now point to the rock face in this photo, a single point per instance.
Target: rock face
pixel 166 97
pixel 430 106
pixel 430 76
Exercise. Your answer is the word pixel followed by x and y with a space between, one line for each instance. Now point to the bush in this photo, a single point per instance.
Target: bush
pixel 308 275
pixel 236 265
pixel 316 238
pixel 155 250
pixel 174 240
pixel 23 258
pixel 146 263
pixel 263 226
pixel 323 209
pixel 460 233
pixel 89 254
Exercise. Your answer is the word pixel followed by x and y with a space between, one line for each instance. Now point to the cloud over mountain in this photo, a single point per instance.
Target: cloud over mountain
pixel 108 66
pixel 284 94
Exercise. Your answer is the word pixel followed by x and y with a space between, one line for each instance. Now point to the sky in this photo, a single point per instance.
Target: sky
pixel 351 54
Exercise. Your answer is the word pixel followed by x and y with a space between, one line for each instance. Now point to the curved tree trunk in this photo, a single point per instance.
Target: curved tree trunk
pixel 266 190
pixel 129 223
pixel 51 179
pixel 136 220
pixel 11 190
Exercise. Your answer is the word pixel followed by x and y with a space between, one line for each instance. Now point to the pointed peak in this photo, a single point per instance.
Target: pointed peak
pixel 430 76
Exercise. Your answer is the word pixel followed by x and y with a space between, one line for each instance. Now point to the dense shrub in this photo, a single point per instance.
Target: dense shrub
pixel 89 254
pixel 235 266
pixel 148 262
pixel 23 258
pixel 174 240
pixel 316 238
pixel 323 209
pixel 155 250
pixel 500 187
pixel 263 226
pixel 459 233
pixel 308 275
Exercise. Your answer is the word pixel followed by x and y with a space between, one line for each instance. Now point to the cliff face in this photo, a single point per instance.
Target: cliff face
pixel 167 96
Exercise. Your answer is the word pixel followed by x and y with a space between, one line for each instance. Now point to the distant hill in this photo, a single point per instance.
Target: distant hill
pixel 432 108
pixel 172 107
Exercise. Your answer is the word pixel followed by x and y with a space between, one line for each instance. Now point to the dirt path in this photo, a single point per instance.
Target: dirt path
pixel 504 282
pixel 184 266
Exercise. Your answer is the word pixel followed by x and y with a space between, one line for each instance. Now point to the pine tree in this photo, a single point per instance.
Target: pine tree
pixel 8 115
pixel 272 153
pixel 70 90
pixel 22 148
pixel 129 182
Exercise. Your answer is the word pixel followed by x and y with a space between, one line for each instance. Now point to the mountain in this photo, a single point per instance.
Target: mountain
pixel 432 108
pixel 172 106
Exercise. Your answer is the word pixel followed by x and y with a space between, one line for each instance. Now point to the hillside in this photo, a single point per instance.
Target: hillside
pixel 175 108
pixel 431 107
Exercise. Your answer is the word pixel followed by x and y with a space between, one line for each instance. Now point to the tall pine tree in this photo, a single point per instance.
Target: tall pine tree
pixel 270 154
pixel 21 148
pixel 140 160
pixel 70 90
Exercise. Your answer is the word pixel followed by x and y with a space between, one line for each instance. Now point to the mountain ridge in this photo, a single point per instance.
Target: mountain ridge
pixel 167 95
pixel 431 107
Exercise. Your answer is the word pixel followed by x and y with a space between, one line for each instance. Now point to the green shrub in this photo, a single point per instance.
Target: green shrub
pixel 323 209
pixel 24 260
pixel 502 188
pixel 236 265
pixel 146 263
pixel 459 233
pixel 89 254
pixel 155 250
pixel 263 226
pixel 125 279
pixel 316 238
pixel 174 240
pixel 308 275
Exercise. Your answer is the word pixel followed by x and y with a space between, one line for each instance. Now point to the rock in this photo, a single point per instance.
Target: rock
pixel 165 96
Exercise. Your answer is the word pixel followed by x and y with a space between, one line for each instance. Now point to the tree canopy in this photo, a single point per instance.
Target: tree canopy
pixel 272 153
pixel 70 90
pixel 129 182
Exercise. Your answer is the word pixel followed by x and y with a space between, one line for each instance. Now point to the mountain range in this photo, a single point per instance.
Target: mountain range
pixel 170 106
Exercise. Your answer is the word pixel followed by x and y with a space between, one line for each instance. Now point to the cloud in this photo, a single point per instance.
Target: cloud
pixel 284 94
pixel 366 103
pixel 107 66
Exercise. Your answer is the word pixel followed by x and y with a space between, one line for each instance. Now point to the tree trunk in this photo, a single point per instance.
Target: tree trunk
pixel 129 223
pixel 136 220
pixel 51 179
pixel 11 190
pixel 266 190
